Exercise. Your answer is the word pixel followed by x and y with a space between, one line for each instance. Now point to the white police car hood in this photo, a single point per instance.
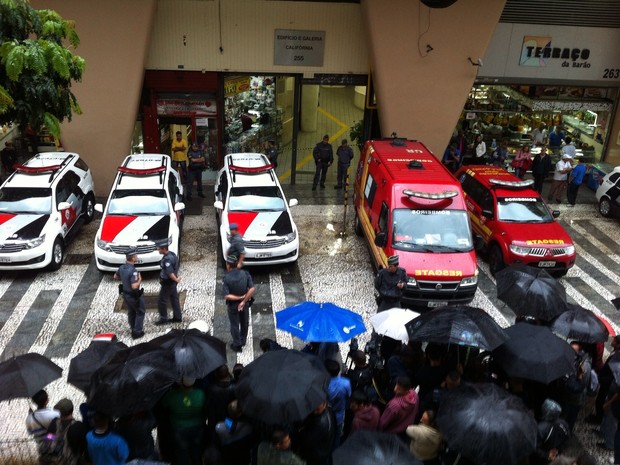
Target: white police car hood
pixel 15 226
pixel 261 225
pixel 130 229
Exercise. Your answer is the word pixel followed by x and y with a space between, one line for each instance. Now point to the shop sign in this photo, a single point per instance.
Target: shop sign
pixel 539 51
pixel 173 107
pixel 298 48
pixel 236 86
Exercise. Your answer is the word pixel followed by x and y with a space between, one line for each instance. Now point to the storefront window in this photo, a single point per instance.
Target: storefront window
pixel 514 113
pixel 252 112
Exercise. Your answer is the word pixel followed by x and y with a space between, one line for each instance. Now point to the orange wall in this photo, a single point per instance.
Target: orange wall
pixel 115 36
pixel 421 95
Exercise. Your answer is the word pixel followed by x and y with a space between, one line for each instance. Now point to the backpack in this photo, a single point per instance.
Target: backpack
pixel 53 444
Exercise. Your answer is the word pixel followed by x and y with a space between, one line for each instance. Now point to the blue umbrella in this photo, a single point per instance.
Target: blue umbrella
pixel 320 322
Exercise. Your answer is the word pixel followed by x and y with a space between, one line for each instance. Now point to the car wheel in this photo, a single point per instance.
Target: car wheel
pixel 604 207
pixel 358 227
pixel 496 259
pixel 88 209
pixel 58 254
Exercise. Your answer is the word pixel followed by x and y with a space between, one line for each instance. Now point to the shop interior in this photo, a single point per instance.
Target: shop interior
pixel 512 112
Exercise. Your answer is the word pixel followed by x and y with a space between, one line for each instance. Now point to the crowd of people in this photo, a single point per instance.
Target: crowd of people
pixel 201 421
pixel 568 174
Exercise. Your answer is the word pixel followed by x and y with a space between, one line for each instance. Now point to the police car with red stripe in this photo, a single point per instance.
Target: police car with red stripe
pixel 145 206
pixel 247 192
pixel 43 203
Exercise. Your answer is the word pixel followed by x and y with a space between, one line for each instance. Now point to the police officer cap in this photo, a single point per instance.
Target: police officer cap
pixel 232 259
pixel 131 251
pixel 162 244
pixel 233 226
pixel 393 260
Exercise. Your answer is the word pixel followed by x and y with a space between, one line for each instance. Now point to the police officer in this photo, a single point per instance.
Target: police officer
pixel 272 153
pixel 323 154
pixel 345 155
pixel 237 248
pixel 131 279
pixel 168 278
pixel 390 283
pixel 238 289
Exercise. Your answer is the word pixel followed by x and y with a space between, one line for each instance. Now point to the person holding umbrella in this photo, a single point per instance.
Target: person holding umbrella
pixel 131 279
pixel 390 283
pixel 238 291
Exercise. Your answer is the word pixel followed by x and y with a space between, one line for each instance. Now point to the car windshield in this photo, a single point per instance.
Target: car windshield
pixel 523 210
pixel 34 200
pixel 431 230
pixel 256 198
pixel 139 202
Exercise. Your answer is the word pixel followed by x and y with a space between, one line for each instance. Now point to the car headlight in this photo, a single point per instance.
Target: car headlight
pixel 411 282
pixel 104 245
pixel 570 249
pixel 470 281
pixel 32 243
pixel 519 250
pixel 290 237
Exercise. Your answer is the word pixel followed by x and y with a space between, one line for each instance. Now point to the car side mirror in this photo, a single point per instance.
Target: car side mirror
pixel 478 242
pixel 381 239
pixel 555 213
pixel 99 207
pixel 292 202
pixel 64 206
pixel 218 204
pixel 487 214
pixel 179 206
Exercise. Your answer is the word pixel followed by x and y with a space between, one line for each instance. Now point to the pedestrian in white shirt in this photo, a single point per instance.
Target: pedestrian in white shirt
pixel 560 177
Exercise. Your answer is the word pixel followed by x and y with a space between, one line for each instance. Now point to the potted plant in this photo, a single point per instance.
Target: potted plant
pixel 356 133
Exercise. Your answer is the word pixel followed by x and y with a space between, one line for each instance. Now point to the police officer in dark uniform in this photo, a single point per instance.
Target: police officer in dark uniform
pixel 345 155
pixel 390 283
pixel 237 247
pixel 168 278
pixel 323 154
pixel 238 289
pixel 272 153
pixel 131 279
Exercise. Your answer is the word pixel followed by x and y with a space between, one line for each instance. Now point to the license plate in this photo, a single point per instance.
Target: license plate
pixel 263 255
pixel 435 303
pixel 546 264
pixel 5 260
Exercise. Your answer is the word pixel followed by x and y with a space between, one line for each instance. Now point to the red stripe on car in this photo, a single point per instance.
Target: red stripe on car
pixel 243 220
pixel 4 217
pixel 113 225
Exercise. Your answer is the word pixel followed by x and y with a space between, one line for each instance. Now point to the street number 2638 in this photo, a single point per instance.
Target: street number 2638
pixel 611 73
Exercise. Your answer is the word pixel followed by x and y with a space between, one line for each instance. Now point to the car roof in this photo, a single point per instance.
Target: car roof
pixel 503 183
pixel 143 171
pixel 245 170
pixel 34 172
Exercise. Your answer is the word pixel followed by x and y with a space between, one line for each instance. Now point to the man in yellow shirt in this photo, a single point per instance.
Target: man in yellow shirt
pixel 179 155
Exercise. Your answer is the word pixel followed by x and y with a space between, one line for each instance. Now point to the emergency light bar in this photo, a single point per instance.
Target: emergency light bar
pixel 513 184
pixel 250 169
pixel 428 195
pixel 141 172
pixel 36 169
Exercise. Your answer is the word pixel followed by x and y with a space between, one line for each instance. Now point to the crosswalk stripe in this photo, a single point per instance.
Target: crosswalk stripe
pixel 279 302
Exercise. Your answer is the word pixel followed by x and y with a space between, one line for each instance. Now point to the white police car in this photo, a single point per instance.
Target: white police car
pixel 247 192
pixel 144 207
pixel 42 205
pixel 608 193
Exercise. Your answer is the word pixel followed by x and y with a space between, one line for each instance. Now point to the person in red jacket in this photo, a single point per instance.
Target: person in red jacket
pixel 365 415
pixel 401 411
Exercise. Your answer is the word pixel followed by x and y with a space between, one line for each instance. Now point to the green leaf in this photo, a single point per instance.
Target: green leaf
pixel 52 124
pixel 15 62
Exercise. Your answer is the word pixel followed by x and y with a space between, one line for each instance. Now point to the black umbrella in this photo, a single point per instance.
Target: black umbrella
pixel 580 324
pixel 133 380
pixel 531 292
pixel 372 448
pixel 196 353
pixel 459 324
pixel 282 386
pixel 25 375
pixel 84 364
pixel 535 353
pixel 487 424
